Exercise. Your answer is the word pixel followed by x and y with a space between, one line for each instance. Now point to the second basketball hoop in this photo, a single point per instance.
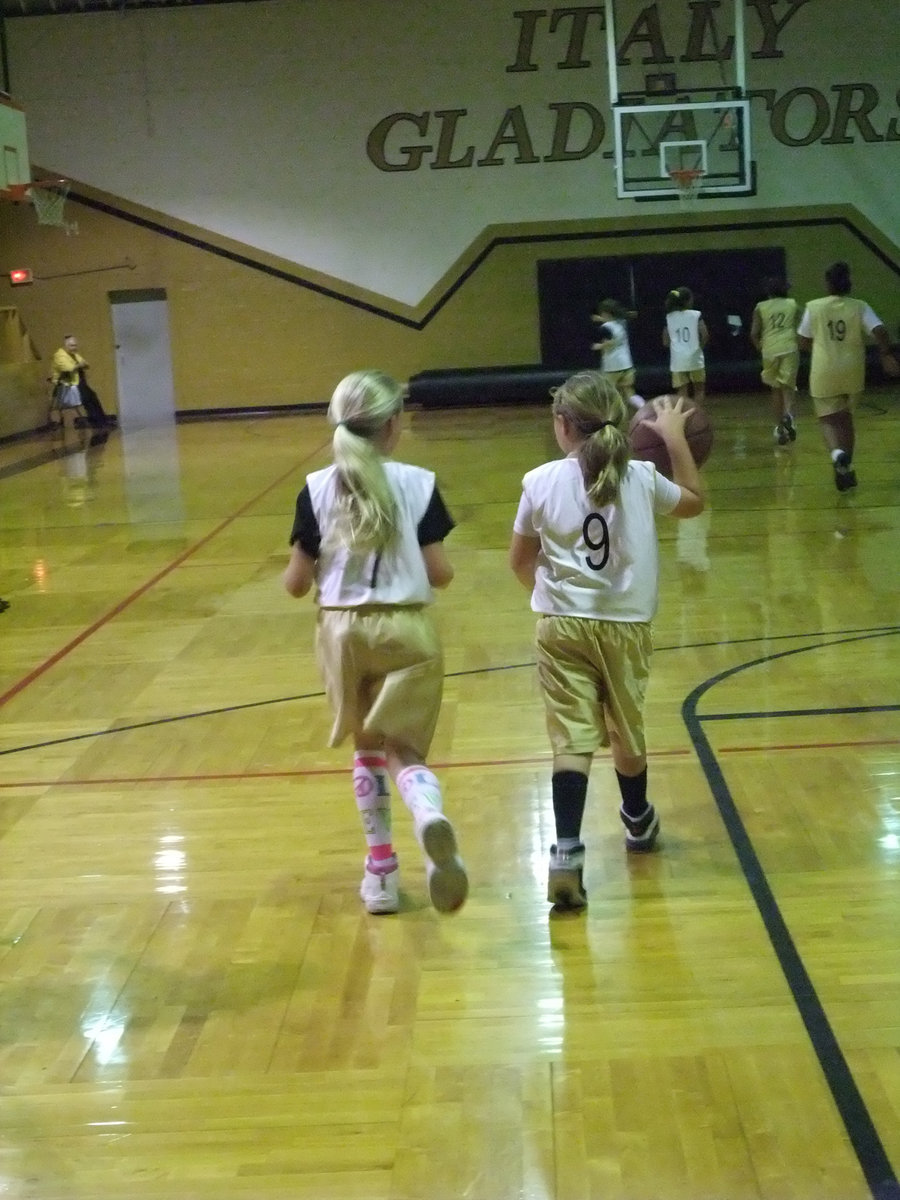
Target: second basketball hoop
pixel 48 198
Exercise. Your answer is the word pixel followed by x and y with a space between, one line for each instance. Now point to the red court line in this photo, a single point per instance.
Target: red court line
pixel 465 764
pixel 317 772
pixel 145 587
pixel 300 773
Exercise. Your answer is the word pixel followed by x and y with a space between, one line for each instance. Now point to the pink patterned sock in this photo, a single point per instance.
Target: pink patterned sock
pixel 371 784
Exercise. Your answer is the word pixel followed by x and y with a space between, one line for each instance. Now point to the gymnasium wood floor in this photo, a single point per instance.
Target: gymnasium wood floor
pixel 193 1003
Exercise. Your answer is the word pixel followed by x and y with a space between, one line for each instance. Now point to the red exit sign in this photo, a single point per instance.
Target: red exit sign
pixel 21 275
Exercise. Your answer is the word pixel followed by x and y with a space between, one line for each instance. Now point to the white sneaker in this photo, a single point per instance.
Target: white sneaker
pixel 380 890
pixel 448 884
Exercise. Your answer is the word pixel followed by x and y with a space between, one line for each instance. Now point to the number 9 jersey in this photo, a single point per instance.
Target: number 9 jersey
pixel 595 562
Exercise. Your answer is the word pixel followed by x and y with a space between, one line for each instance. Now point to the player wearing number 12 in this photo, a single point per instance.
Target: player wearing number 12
pixel 584 544
pixel 835 326
pixel 773 331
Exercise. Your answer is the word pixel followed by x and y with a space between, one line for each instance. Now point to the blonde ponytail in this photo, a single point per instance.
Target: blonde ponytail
pixel 362 404
pixel 595 411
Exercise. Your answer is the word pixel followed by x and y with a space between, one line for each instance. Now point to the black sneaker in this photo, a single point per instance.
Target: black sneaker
pixel 787 424
pixel 640 832
pixel 844 475
pixel 782 437
pixel 565 888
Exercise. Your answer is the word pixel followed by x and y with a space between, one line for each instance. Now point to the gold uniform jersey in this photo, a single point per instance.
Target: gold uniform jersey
pixel 838 327
pixel 778 321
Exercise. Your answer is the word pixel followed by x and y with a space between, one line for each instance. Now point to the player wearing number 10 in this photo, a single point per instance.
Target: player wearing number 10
pixel 686 335
pixel 835 326
pixel 584 544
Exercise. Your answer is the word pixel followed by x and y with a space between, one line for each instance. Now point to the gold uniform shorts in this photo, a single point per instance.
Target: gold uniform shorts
pixel 781 371
pixel 623 381
pixel 383 670
pixel 593 676
pixel 679 378
pixel 827 406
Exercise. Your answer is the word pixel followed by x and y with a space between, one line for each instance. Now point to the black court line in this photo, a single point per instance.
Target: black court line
pixel 216 712
pixel 852 710
pixel 172 718
pixel 880 1175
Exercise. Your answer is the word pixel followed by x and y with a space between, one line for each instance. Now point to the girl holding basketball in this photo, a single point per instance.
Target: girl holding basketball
pixel 686 335
pixel 584 544
pixel 369 533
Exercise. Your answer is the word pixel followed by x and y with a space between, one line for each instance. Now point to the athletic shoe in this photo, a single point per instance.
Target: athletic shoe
pixel 640 832
pixel 565 886
pixel 448 884
pixel 844 475
pixel 781 435
pixel 380 889
pixel 787 424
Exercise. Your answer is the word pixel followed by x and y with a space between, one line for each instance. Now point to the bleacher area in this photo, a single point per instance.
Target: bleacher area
pixel 467 387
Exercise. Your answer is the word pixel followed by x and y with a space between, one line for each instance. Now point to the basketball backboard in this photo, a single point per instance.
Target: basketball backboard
pixel 15 165
pixel 677 78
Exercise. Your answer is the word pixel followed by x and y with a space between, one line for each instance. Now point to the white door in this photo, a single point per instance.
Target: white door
pixel 143 361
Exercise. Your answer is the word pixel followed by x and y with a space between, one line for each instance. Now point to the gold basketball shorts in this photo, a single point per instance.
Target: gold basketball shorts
pixel 829 406
pixel 383 670
pixel 680 378
pixel 623 381
pixel 593 677
pixel 781 371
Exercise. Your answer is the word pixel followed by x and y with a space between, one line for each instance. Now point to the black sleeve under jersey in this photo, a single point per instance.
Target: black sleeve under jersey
pixel 306 528
pixel 436 522
pixel 605 333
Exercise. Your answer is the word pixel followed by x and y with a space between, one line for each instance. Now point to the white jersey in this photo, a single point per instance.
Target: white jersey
pixel 616 352
pixel 397 575
pixel 685 351
pixel 595 562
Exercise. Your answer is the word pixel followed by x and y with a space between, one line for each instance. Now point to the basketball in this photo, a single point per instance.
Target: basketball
pixel 648 445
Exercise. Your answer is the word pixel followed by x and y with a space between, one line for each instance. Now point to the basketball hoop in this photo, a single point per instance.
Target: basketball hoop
pixel 48 196
pixel 688 181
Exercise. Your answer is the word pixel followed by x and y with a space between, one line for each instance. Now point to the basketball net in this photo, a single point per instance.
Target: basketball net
pixel 48 197
pixel 688 181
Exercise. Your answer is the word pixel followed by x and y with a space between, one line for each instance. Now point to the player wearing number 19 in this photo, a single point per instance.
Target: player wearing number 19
pixel 584 544
pixel 835 326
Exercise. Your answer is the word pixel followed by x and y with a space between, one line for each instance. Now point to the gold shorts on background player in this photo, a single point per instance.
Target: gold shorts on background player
pixel 773 331
pixel 835 328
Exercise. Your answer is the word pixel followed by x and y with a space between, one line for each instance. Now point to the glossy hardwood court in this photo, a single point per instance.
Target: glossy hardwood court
pixel 193 1005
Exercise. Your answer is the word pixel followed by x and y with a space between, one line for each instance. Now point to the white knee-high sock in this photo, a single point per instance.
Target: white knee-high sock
pixel 420 790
